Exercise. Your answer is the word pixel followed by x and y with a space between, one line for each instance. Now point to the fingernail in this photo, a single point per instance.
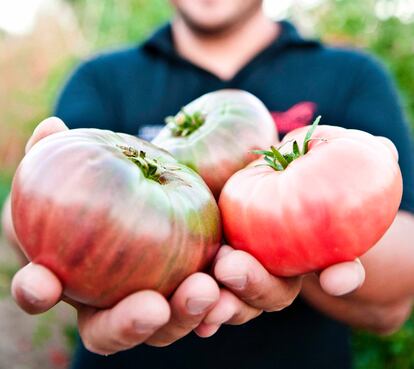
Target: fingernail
pixel 198 306
pixel 223 251
pixel 237 282
pixel 352 284
pixel 30 296
pixel 355 282
pixel 145 328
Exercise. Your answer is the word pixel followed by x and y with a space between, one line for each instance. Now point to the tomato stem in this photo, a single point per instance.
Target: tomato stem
pixel 278 161
pixel 183 124
pixel 151 168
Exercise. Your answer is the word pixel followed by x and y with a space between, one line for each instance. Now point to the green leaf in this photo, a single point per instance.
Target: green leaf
pixel 290 157
pixel 262 152
pixel 279 157
pixel 296 149
pixel 274 164
pixel 309 134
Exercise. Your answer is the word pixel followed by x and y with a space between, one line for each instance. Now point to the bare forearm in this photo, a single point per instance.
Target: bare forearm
pixel 384 302
pixel 375 317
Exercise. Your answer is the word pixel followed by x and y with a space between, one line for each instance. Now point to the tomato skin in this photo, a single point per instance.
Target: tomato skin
pixel 328 206
pixel 84 210
pixel 236 122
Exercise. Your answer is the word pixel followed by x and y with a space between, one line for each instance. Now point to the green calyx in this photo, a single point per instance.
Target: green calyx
pixel 183 124
pixel 150 168
pixel 278 161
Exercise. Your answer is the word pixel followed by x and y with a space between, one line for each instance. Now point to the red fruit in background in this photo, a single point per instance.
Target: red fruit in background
pixel 301 209
pixel 111 214
pixel 216 133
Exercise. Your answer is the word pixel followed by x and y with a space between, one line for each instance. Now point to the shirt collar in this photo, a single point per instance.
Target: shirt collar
pixel 161 40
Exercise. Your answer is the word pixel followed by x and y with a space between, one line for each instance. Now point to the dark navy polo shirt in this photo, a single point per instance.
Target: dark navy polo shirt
pixel 134 89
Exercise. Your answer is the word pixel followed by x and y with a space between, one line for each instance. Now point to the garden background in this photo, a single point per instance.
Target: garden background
pixel 35 59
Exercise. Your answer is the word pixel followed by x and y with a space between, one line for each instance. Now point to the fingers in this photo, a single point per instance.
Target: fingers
pixel 250 281
pixel 229 310
pixel 126 325
pixel 36 289
pixel 223 251
pixel 341 279
pixel 45 128
pixel 189 305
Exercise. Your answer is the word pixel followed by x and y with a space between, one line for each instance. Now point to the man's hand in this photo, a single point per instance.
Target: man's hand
pixel 197 304
pixel 385 300
pixel 250 289
pixel 145 316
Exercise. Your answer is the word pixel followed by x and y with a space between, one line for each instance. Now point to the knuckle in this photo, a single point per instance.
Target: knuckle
pixel 90 343
pixel 128 336
pixel 167 335
pixel 255 290
pixel 255 298
pixel 162 339
pixel 176 329
pixel 281 303
pixel 181 322
pixel 240 318
pixel 123 341
pixel 270 300
pixel 92 347
pixel 184 325
pixel 127 333
pixel 243 316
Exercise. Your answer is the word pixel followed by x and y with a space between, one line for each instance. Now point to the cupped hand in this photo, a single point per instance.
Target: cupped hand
pixel 248 289
pixel 198 303
pixel 145 316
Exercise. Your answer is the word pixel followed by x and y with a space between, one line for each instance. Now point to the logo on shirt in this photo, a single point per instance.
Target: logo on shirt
pixel 299 115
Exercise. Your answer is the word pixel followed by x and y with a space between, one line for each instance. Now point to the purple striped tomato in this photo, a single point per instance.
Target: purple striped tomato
pixel 111 214
pixel 303 208
pixel 216 133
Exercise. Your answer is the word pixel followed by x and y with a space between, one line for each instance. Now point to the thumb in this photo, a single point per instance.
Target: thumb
pixel 36 289
pixel 343 278
pixel 45 128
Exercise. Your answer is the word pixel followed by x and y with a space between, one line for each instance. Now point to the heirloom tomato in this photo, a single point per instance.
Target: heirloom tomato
pixel 314 201
pixel 111 214
pixel 216 133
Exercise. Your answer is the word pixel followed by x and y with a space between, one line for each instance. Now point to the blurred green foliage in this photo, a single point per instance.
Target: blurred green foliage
pixel 7 271
pixel 372 25
pixel 44 328
pixel 392 352
pixel 5 181
pixel 109 23
pixel 357 23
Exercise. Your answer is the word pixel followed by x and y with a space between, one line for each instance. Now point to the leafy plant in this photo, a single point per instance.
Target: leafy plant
pixel 362 24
